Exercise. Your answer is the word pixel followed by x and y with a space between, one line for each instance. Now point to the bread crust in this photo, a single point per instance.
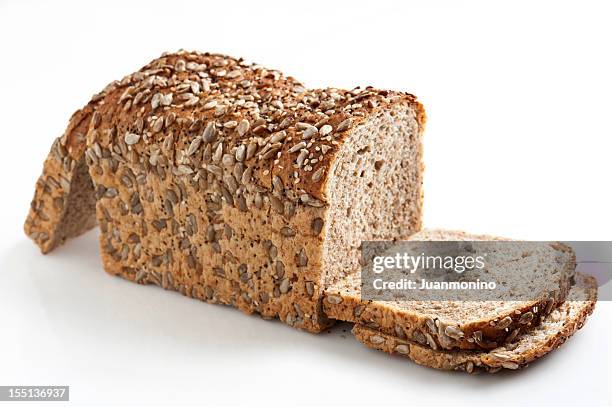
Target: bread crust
pixel 528 347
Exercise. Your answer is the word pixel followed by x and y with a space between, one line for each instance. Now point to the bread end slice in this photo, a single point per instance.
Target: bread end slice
pixel 554 330
pixel 64 203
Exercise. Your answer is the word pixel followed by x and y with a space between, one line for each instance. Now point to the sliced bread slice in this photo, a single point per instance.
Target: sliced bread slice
pixel 554 330
pixel 544 274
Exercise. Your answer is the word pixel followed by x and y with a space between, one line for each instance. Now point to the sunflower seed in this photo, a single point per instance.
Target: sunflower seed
pixel 280 269
pixel 246 178
pixel 241 152
pixel 358 310
pixel 228 160
pixel 195 144
pixel 184 170
pixel 430 341
pixel 131 138
pixel 269 154
pixel 377 339
pixel 243 127
pixel 210 105
pixel 501 357
pixel 309 132
pixel 214 169
pixel 526 318
pixel 504 323
pixel 277 204
pixel 325 130
pixel 230 124
pixel 403 349
pixel 317 226
pixel 344 125
pixel 301 157
pixel 399 332
pixel 218 153
pixel 209 132
pixel 166 100
pixel 158 124
pixel 297 147
pixel 277 184
pixel 96 118
pixel 272 252
pixel 170 118
pixel 453 332
pixel 251 149
pixel 316 177
pixel 334 299
pixel 287 231
pixel 284 286
pixel 513 335
pixel 278 136
pixel 510 365
pixel 302 259
pixel 140 275
pixel 431 325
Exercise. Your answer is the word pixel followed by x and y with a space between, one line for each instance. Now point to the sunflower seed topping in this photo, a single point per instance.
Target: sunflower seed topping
pixel 210 105
pixel 402 349
pixel 334 299
pixel 195 144
pixel 504 323
pixel 287 231
pixel 131 138
pixel 453 332
pixel 377 339
pixel 317 225
pixel 297 147
pixel 318 174
pixel 344 125
pixel 243 127
pixel 325 130
pixel 510 365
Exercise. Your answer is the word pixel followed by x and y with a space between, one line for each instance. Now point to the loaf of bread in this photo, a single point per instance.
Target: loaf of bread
pixel 538 273
pixel 554 330
pixel 233 183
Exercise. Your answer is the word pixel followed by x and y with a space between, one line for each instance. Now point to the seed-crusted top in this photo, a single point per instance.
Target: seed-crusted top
pixel 198 113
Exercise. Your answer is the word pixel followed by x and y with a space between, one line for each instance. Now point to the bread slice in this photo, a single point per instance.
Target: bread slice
pixel 471 323
pixel 235 184
pixel 64 203
pixel 553 331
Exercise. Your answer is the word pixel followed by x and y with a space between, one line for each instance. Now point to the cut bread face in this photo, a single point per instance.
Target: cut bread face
pixel 542 271
pixel 553 331
pixel 382 155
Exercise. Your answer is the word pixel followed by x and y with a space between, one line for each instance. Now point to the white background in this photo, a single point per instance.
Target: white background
pixel 517 144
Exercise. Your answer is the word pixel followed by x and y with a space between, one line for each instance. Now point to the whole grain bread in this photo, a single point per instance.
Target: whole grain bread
pixel 554 330
pixel 232 183
pixel 538 273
